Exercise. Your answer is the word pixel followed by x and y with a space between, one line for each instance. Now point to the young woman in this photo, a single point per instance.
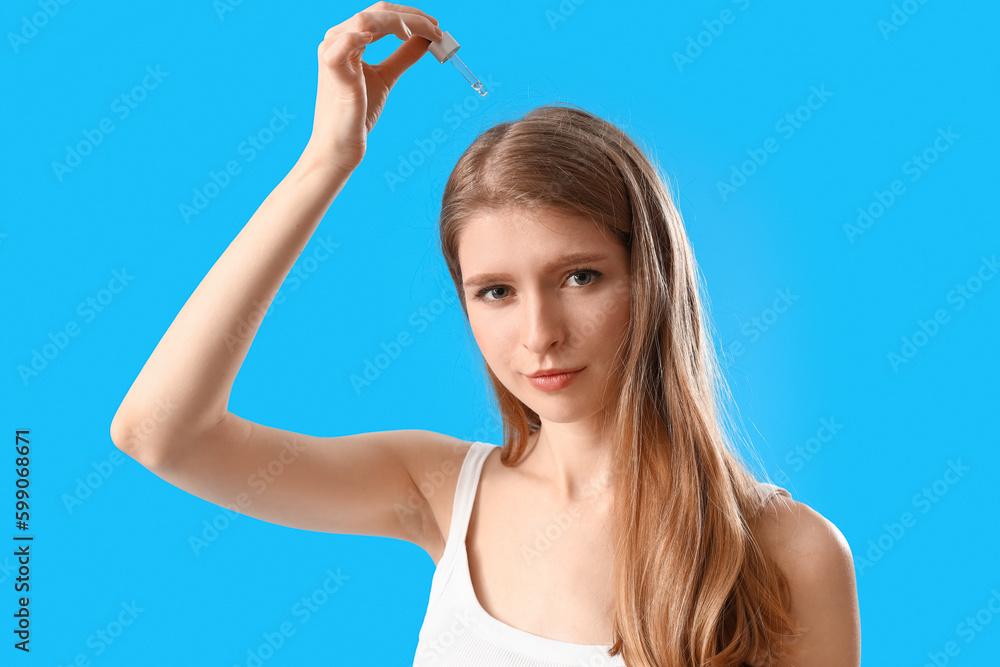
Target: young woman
pixel 617 524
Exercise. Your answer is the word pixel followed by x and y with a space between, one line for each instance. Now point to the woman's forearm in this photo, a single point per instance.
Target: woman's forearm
pixel 185 384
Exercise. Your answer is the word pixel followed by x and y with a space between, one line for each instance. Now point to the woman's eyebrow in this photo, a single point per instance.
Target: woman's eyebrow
pixel 483 279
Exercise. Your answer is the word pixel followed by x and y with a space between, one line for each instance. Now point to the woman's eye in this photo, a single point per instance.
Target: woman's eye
pixel 490 290
pixel 483 293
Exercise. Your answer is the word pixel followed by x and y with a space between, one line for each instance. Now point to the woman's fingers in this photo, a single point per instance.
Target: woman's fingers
pixel 342 44
pixel 386 7
pixel 403 8
pixel 346 50
pixel 403 24
pixel 338 50
pixel 351 93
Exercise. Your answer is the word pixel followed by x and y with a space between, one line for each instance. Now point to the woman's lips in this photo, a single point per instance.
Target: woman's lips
pixel 554 382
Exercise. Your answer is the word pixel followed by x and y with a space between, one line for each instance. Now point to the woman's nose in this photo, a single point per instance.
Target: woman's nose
pixel 542 323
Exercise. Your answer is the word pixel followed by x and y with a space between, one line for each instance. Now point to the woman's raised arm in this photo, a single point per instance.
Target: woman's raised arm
pixel 186 382
pixel 184 387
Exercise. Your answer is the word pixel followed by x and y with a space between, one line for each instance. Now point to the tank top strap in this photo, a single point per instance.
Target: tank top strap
pixel 465 492
pixel 461 510
pixel 766 490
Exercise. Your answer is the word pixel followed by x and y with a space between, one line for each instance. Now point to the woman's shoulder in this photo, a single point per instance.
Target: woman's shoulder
pixel 793 528
pixel 816 560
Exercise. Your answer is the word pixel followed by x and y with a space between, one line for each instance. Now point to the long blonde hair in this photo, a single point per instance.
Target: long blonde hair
pixel 692 586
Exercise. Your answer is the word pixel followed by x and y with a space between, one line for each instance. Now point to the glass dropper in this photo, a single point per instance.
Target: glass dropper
pixel 469 76
pixel 445 49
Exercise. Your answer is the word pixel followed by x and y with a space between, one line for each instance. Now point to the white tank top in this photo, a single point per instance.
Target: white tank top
pixel 458 632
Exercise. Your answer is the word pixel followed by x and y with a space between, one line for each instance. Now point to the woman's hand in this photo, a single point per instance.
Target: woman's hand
pixel 351 93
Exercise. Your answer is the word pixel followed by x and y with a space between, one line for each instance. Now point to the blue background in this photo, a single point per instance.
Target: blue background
pixel 823 354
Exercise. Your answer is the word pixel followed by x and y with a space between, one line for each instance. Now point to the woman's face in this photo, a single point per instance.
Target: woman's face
pixel 533 307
